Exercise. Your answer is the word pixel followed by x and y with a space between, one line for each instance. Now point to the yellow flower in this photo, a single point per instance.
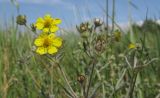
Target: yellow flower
pixel 47 43
pixel 47 24
pixel 132 46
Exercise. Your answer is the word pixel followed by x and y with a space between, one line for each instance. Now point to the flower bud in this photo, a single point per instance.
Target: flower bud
pixel 117 35
pixel 81 78
pixel 33 27
pixel 21 20
pixel 84 29
pixel 98 22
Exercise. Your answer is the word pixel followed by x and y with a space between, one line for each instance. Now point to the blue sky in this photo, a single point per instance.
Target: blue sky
pixel 75 11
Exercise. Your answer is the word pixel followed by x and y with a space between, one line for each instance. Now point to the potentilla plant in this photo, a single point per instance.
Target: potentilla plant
pixel 47 46
pixel 102 69
pixel 106 70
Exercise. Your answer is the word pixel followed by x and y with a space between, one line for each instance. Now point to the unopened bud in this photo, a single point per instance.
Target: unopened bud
pixel 33 27
pixel 81 78
pixel 98 22
pixel 21 20
pixel 117 35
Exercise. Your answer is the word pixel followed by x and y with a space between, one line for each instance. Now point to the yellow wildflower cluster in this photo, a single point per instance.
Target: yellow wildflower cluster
pixel 47 41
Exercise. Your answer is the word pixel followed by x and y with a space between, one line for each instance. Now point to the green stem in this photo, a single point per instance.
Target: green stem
pixel 51 81
pixel 90 80
pixel 66 80
pixel 107 16
pixel 133 85
pixel 113 14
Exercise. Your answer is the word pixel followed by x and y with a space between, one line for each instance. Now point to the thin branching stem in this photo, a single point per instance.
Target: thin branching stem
pixel 107 15
pixel 113 14
pixel 66 80
pixel 90 80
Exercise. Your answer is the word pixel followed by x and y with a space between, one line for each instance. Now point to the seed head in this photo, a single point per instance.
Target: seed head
pixel 100 43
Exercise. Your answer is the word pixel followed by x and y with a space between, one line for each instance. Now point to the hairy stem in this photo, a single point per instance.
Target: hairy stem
pixel 90 80
pixel 66 80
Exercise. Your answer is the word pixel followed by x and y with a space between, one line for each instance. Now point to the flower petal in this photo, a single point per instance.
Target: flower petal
pixel 40 20
pixel 51 36
pixel 46 30
pixel 39 25
pixel 131 46
pixel 41 50
pixel 54 28
pixel 52 50
pixel 57 21
pixel 39 41
pixel 57 42
pixel 48 16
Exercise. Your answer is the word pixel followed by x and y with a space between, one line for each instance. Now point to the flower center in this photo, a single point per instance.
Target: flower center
pixel 47 42
pixel 47 23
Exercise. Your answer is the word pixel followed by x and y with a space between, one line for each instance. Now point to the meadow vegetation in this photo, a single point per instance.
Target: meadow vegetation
pixel 97 61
